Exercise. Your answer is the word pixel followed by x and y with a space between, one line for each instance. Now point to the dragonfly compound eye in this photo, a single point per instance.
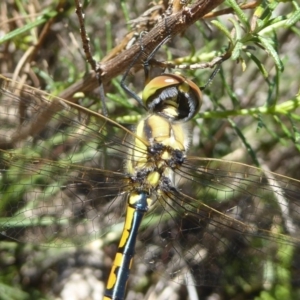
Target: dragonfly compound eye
pixel 172 96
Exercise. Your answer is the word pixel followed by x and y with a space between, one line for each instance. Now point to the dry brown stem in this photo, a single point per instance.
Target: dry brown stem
pixel 171 25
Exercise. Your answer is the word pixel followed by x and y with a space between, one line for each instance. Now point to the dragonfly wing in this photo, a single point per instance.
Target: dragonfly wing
pixel 223 224
pixel 55 183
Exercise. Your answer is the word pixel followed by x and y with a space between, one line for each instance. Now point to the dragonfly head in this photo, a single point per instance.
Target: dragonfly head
pixel 172 96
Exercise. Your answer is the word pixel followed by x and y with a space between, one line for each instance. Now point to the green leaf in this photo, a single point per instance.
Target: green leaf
pixel 237 50
pixel 260 66
pixel 27 27
pixel 244 141
pixel 267 44
pixel 294 18
pixel 238 31
pixel 222 28
pixel 239 12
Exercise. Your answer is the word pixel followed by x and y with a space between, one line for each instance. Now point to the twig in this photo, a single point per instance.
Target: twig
pixel 173 24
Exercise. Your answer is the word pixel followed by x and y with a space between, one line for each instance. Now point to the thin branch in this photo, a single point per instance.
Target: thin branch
pixel 171 25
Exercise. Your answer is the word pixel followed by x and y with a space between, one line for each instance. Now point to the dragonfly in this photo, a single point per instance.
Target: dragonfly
pixel 70 175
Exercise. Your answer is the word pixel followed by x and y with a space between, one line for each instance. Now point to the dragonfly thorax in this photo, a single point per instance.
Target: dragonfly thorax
pixel 159 148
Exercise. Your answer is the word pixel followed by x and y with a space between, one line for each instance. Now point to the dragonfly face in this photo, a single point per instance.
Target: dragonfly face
pixel 208 222
pixel 181 94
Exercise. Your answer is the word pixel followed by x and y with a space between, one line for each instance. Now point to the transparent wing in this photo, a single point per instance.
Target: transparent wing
pixel 225 224
pixel 63 183
pixel 62 179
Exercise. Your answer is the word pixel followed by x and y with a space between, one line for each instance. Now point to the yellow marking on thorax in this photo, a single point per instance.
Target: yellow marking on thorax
pixel 167 133
pixel 153 178
pixel 155 129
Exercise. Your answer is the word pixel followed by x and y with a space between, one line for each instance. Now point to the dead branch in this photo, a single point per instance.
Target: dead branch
pixel 170 26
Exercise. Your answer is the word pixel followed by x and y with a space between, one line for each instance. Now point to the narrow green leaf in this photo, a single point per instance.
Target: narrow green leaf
pixel 284 128
pixel 129 119
pixel 239 12
pixel 260 66
pixel 294 18
pixel 231 93
pixel 263 12
pixel 295 129
pixel 118 99
pixel 238 31
pixel 126 14
pixel 244 141
pixel 284 108
pixel 237 50
pixel 267 43
pixel 222 28
pixel 295 4
pixel 28 27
